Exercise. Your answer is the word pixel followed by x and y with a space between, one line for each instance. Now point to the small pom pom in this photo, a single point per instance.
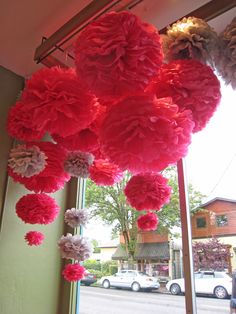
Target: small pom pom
pixel 73 272
pixel 75 247
pixel 76 217
pixel 77 164
pixel 147 222
pixel 34 238
pixel 27 161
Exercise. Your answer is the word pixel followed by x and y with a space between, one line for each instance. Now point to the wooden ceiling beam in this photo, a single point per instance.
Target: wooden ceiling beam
pixel 208 11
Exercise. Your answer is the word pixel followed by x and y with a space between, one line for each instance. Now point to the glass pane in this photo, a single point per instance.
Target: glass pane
pixel 211 166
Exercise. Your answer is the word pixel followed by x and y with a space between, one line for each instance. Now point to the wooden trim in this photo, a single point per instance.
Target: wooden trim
pixel 208 11
pixel 86 14
pixel 190 298
pixel 218 236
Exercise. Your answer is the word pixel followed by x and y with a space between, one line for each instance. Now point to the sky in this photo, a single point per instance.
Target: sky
pixel 210 163
pixel 211 160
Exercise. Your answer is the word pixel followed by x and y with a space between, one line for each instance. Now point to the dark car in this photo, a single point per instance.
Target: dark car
pixel 88 279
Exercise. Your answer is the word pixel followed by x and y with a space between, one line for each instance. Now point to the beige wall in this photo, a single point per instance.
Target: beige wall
pixel 106 253
pixel 30 277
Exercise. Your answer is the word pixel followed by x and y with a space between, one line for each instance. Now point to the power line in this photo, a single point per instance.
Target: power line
pixel 223 174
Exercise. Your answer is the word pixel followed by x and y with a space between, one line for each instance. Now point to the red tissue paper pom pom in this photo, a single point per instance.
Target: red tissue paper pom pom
pixel 192 85
pixel 145 134
pixel 53 177
pixel 85 140
pixel 102 172
pixel 147 222
pixel 73 272
pixel 118 55
pixel 21 125
pixel 34 238
pixel 147 191
pixel 57 101
pixel 37 209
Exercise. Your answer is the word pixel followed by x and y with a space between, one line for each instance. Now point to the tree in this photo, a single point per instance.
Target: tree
pixel 211 255
pixel 96 249
pixel 109 203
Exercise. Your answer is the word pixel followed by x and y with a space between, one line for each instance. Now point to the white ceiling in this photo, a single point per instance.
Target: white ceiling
pixel 23 23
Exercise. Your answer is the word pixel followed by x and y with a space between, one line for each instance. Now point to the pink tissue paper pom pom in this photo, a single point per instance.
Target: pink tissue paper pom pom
pixel 147 222
pixel 147 191
pixel 34 238
pixel 103 172
pixel 77 164
pixel 37 209
pixel 73 272
pixel 193 86
pixel 27 161
pixel 57 102
pixel 118 55
pixel 75 247
pixel 53 177
pixel 145 134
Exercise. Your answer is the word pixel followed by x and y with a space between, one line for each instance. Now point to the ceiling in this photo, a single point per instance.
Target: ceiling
pixel 25 22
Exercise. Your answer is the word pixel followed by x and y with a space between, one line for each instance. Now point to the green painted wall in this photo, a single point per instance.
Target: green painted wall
pixel 30 279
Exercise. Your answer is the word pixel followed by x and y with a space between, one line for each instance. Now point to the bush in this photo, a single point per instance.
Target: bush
pixel 97 273
pixel 92 265
pixel 113 269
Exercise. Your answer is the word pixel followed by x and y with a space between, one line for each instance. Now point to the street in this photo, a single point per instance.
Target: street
pixel 95 300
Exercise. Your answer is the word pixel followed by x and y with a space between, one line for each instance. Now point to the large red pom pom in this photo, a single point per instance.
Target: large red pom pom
pixel 53 177
pixel 192 85
pixel 145 134
pixel 147 222
pixel 37 209
pixel 73 272
pixel 21 125
pixel 85 140
pixel 118 55
pixel 57 102
pixel 147 191
pixel 34 238
pixel 103 172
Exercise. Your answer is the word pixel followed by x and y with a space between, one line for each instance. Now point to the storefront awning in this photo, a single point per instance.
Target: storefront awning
pixel 150 251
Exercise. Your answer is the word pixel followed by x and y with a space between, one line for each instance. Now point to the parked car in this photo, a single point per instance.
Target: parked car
pixel 233 295
pixel 206 282
pixel 88 279
pixel 131 279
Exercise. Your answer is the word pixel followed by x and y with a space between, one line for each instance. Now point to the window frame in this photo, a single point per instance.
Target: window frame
pixel 198 219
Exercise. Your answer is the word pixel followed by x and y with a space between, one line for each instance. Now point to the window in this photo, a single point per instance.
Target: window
pixel 201 222
pixel 221 220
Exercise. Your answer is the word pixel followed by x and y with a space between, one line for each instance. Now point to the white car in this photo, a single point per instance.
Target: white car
pixel 132 279
pixel 206 282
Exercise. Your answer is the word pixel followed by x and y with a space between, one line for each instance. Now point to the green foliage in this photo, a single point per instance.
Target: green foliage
pixel 169 216
pixel 92 264
pixel 96 249
pixel 108 265
pixel 101 268
pixel 97 273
